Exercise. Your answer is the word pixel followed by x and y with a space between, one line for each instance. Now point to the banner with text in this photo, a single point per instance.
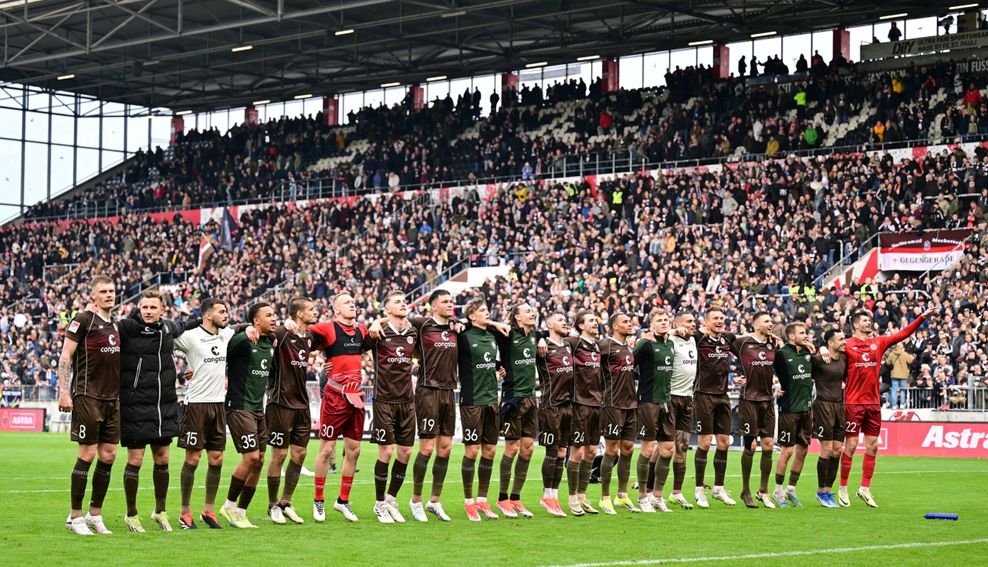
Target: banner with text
pixel 929 439
pixel 921 251
pixel 22 419
pixel 931 44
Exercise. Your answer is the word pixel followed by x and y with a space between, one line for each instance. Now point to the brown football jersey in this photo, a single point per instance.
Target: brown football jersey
pixel 96 362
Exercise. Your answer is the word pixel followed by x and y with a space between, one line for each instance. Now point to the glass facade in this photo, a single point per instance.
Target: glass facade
pixel 51 141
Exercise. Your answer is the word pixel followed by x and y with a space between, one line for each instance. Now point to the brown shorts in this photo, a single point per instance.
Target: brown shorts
pixel 203 427
pixel 435 412
pixel 143 443
pixel 617 423
pixel 555 425
pixel 656 422
pixel 794 428
pixel 828 420
pixel 711 414
pixel 393 424
pixel 682 412
pixel 95 421
pixel 756 419
pixel 480 424
pixel 248 430
pixel 586 426
pixel 525 423
pixel 288 426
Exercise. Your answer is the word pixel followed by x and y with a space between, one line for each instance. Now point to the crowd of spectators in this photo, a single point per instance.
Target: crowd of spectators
pixel 694 117
pixel 755 236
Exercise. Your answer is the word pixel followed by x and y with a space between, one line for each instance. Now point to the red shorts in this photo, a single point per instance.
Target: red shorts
pixel 866 418
pixel 337 417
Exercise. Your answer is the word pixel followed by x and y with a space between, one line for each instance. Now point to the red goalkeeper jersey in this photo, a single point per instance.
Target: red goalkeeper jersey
pixel 864 360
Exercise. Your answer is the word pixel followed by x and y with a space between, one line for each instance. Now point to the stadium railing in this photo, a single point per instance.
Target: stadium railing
pixel 572 166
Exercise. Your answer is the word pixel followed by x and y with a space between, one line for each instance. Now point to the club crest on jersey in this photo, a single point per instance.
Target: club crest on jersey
pixel 873 346
pixel 410 340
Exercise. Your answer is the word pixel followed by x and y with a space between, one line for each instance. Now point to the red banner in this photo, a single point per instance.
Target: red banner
pixel 22 419
pixel 929 439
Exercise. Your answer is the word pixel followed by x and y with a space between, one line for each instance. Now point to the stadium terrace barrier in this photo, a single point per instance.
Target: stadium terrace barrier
pixel 573 167
pixel 204 215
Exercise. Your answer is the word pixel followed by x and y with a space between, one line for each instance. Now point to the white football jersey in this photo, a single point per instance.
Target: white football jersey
pixel 683 366
pixel 206 353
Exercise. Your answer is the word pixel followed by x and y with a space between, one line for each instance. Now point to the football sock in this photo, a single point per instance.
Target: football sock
pixel 642 470
pixel 274 486
pixel 573 476
pixel 624 474
pixel 419 468
pixel 700 464
pixel 346 483
pixel 867 470
pixel 188 481
pixel 521 474
pixel 320 483
pixel 661 471
pixel 720 467
pixel 766 470
pixel 846 461
pixel 439 468
pixel 606 465
pixel 397 477
pixel 505 478
pixel 292 473
pixel 380 479
pixel 747 458
pixel 466 470
pixel 101 482
pixel 80 478
pixel 131 478
pixel 213 476
pixel 236 488
pixel 484 473
pixel 159 476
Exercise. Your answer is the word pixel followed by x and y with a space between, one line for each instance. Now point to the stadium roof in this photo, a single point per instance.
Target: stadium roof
pixel 207 54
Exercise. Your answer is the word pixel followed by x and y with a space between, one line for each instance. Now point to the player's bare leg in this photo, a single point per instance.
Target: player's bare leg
pixel 352 453
pixel 661 460
pixel 682 445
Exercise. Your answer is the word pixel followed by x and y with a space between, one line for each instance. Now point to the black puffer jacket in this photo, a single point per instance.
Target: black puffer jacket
pixel 148 403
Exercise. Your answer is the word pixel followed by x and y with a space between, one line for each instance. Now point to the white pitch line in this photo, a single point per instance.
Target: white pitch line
pixel 780 554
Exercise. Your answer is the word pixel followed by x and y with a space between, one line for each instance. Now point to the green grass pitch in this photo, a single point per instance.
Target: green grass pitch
pixel 34 498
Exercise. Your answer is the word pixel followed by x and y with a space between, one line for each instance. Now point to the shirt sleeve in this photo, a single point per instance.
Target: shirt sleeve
pixel 323 334
pixel 781 369
pixel 182 344
pixel 901 335
pixel 79 327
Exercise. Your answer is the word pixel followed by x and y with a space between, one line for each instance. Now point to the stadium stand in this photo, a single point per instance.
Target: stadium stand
pixel 572 129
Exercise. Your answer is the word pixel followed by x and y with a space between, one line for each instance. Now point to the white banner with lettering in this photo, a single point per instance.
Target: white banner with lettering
pixel 932 44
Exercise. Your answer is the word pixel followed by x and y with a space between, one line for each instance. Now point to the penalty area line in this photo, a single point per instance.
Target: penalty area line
pixel 794 553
